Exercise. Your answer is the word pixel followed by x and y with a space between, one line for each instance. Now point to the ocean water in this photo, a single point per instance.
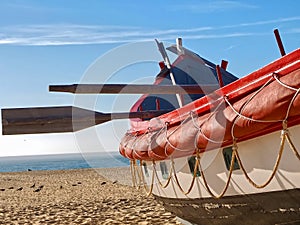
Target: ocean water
pixel 62 161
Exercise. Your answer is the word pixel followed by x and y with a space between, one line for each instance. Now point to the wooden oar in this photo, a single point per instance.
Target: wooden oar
pixel 133 89
pixel 61 119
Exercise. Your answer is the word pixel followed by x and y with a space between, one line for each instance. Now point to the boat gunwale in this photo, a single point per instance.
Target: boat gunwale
pixel 233 92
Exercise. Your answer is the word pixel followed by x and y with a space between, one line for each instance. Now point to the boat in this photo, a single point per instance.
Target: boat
pixel 211 147
pixel 230 156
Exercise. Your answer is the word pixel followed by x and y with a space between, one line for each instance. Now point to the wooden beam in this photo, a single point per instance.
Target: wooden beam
pixel 133 89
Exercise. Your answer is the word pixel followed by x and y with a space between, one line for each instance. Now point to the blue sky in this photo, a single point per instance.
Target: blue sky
pixel 55 42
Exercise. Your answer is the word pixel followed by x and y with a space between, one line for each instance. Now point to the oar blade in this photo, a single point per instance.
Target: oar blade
pixel 61 119
pixel 36 128
pixel 45 120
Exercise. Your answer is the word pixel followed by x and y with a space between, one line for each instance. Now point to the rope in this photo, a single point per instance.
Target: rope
pixel 292 145
pixel 141 175
pixel 291 103
pixel 192 182
pixel 283 84
pixel 148 193
pixel 169 135
pixel 228 179
pixel 287 133
pixel 285 136
pixel 136 141
pixel 153 137
pixel 200 130
pixel 142 180
pixel 168 179
pixel 132 171
pixel 248 118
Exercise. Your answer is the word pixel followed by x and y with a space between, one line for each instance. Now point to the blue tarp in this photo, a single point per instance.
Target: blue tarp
pixel 187 71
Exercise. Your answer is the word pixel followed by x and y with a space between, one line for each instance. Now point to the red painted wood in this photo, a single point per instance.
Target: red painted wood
pixel 233 91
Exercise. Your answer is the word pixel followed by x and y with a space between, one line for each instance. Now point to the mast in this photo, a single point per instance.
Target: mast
pixel 166 59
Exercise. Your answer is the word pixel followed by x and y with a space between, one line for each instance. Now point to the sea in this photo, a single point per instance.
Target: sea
pixel 62 161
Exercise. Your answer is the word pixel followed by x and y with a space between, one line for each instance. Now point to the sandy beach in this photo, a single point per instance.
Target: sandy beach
pixel 82 196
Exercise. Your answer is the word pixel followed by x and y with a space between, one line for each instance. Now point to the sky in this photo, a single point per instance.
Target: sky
pixel 62 42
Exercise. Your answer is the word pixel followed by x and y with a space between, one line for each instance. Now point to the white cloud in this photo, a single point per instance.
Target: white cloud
pixel 265 22
pixel 294 30
pixel 66 34
pixel 211 6
pixel 74 34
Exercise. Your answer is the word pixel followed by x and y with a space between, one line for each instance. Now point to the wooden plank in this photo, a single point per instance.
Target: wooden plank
pixel 133 89
pixel 61 119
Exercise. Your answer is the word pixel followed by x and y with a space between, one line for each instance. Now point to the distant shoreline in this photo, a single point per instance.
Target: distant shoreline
pixel 62 162
pixel 61 154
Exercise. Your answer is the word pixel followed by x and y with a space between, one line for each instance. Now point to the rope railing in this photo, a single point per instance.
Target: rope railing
pixel 168 179
pixel 285 137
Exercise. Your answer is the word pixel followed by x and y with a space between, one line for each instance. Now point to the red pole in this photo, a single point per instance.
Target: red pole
pixel 157 104
pixel 161 65
pixel 219 76
pixel 279 42
pixel 224 64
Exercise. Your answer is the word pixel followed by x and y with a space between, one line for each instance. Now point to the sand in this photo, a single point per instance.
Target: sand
pixel 83 196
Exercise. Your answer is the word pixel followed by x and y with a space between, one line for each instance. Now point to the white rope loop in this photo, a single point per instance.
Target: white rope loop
pixel 200 132
pixel 167 136
pixel 285 136
pixel 275 76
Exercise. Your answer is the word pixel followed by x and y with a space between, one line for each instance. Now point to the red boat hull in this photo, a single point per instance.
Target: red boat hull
pixel 247 108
